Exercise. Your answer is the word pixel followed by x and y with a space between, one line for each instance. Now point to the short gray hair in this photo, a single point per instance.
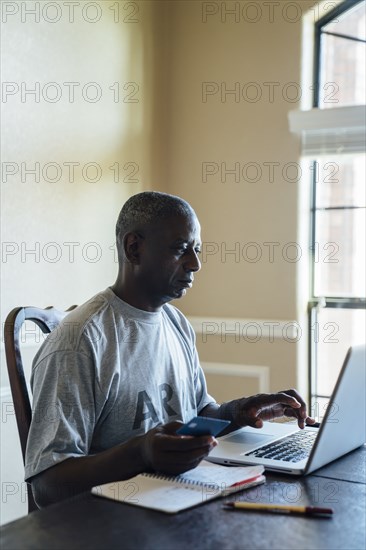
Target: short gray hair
pixel 148 208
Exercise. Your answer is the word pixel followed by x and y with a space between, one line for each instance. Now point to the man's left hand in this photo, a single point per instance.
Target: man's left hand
pixel 251 411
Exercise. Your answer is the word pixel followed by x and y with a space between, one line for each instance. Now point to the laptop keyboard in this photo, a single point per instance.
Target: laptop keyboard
pixel 292 448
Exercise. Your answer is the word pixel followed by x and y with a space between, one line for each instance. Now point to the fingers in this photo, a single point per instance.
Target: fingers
pixel 302 415
pixel 186 443
pixel 163 450
pixel 267 407
pixel 172 440
pixel 171 427
pixel 297 396
pixel 287 397
pixel 291 413
pixel 178 461
pixel 261 407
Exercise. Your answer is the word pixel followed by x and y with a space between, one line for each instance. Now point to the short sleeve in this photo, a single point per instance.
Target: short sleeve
pixel 66 405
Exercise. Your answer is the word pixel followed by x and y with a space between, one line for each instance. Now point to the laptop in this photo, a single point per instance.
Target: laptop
pixel 284 447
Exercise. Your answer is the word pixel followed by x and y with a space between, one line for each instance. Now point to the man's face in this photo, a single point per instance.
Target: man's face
pixel 169 259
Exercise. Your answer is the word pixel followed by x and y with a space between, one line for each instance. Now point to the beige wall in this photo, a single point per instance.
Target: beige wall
pixel 167 53
pixel 235 130
pixel 105 132
pixel 42 216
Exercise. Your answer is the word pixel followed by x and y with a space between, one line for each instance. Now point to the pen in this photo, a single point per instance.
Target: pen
pixel 280 508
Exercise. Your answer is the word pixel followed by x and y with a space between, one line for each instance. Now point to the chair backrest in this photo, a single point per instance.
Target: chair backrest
pixel 47 319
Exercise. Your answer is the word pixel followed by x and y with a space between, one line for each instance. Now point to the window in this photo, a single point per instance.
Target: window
pixel 333 141
pixel 337 305
pixel 340 56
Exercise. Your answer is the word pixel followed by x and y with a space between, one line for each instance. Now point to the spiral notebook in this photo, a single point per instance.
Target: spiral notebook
pixel 171 494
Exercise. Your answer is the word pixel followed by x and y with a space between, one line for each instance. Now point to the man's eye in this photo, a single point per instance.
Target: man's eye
pixel 184 250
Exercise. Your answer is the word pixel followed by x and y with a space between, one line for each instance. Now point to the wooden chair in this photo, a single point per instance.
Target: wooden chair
pixel 47 319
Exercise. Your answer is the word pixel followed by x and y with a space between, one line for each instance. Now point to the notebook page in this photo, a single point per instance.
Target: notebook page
pixel 223 476
pixel 174 493
pixel 158 494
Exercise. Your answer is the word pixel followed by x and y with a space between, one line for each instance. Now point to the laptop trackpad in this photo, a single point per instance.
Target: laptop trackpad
pixel 249 438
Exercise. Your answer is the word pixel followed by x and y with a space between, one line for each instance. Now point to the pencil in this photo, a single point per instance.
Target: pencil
pixel 280 508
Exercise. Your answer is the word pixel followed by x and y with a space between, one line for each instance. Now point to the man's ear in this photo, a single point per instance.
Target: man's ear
pixel 132 247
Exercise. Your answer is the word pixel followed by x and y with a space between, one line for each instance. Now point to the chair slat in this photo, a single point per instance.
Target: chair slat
pixel 47 319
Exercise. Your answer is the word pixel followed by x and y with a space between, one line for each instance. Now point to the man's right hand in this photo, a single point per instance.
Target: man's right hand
pixel 159 450
pixel 164 451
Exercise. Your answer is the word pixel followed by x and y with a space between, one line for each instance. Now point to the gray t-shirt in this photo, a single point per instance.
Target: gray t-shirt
pixel 110 372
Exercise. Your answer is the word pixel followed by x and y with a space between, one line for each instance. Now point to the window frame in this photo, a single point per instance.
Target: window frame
pixel 340 9
pixel 315 302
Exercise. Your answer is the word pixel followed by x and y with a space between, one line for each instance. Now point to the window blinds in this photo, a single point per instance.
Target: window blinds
pixel 338 130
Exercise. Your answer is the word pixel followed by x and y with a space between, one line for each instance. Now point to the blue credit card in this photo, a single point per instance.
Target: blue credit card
pixel 203 425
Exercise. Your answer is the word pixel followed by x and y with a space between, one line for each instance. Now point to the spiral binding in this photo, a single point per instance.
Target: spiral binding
pixel 180 480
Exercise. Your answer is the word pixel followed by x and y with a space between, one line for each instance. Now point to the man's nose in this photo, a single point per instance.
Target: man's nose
pixel 192 262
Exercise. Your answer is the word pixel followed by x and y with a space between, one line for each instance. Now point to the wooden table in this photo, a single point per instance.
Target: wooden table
pixel 91 522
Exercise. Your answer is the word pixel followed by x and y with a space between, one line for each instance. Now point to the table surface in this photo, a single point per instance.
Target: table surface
pixel 87 521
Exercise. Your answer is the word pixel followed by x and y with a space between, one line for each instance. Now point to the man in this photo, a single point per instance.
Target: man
pixel 121 373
